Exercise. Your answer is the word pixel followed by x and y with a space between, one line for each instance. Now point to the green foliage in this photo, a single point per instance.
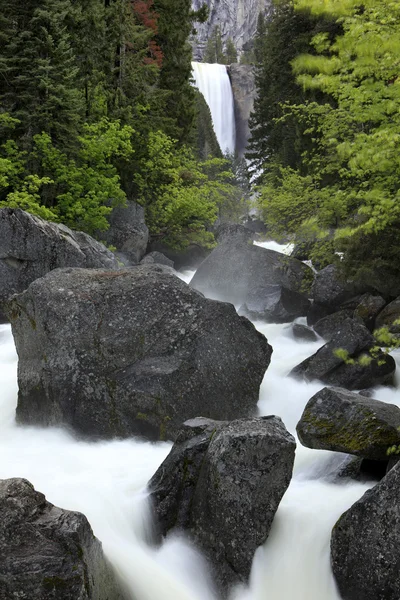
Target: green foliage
pixel 350 134
pixel 79 192
pixel 217 52
pixel 181 196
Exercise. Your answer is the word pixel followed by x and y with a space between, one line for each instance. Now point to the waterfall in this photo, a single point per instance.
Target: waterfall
pixel 213 82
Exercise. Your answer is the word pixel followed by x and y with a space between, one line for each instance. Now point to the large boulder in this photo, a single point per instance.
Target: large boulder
pixel 365 544
pixel 47 552
pixel 368 309
pixel 390 317
pixel 238 271
pixel 328 326
pixel 234 231
pixel 344 361
pixel 331 290
pixel 31 247
pixel 223 483
pixel 342 421
pixel 128 231
pixel 157 258
pixel 131 352
pixel 275 304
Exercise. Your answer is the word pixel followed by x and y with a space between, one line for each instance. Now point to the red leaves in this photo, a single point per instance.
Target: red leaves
pixel 146 15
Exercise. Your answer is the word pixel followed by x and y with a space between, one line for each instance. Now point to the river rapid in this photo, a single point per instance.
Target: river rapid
pixel 107 482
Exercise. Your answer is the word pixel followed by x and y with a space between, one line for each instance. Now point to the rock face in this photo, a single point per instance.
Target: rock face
pixel 304 333
pixel 244 93
pixel 331 291
pixel 389 317
pixel 223 482
pixel 342 421
pixel 131 352
pixel 47 552
pixel 365 544
pixel 228 232
pixel 235 270
pixel 275 304
pixel 237 19
pixel 31 247
pixel 157 258
pixel 331 368
pixel 128 231
pixel 328 326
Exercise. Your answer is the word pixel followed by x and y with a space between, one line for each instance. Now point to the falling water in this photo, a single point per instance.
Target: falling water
pixel 213 82
pixel 107 482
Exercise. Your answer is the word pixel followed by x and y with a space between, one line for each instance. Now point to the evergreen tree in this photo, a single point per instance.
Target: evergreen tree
pixel 214 49
pixel 277 136
pixel 39 71
pixel 231 55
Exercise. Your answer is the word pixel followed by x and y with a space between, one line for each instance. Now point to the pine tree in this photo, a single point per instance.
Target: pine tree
pixel 214 49
pixel 231 54
pixel 39 70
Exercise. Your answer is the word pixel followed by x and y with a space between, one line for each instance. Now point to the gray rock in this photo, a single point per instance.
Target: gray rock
pixel 333 369
pixel 235 270
pixel 255 225
pixel 328 326
pixel 329 289
pixel 388 317
pixel 275 304
pixel 342 421
pixel 31 247
pixel 304 333
pixel 128 231
pixel 131 352
pixel 365 544
pixel 316 312
pixel 157 258
pixel 188 258
pixel 223 482
pixel 237 19
pixel 47 552
pixel 368 309
pixel 227 232
pixel 244 93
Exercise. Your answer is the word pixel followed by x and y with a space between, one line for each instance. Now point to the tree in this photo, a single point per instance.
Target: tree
pixel 39 71
pixel 354 158
pixel 231 55
pixel 214 49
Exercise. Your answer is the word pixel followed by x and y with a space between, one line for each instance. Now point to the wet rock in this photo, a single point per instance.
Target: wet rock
pixel 330 290
pixel 389 316
pixel 304 333
pixel 316 312
pixel 255 225
pixel 31 247
pixel 223 482
pixel 131 352
pixel 275 304
pixel 190 257
pixel 244 92
pixel 344 361
pixel 47 552
pixel 328 326
pixel 338 420
pixel 368 309
pixel 365 544
pixel 233 231
pixel 157 258
pixel 128 231
pixel 235 270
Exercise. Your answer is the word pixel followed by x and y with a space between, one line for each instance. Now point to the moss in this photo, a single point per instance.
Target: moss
pixel 142 416
pixel 54 583
pixel 163 428
pixel 354 439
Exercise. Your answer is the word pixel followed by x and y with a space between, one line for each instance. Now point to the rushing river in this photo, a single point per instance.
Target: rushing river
pixel 107 482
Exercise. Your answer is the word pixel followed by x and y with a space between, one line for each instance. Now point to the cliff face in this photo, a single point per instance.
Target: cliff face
pixel 236 18
pixel 244 93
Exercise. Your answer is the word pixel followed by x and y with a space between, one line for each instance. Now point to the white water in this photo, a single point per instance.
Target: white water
pixel 106 481
pixel 212 80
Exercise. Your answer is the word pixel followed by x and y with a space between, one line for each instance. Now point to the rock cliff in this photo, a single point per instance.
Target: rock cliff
pixel 236 18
